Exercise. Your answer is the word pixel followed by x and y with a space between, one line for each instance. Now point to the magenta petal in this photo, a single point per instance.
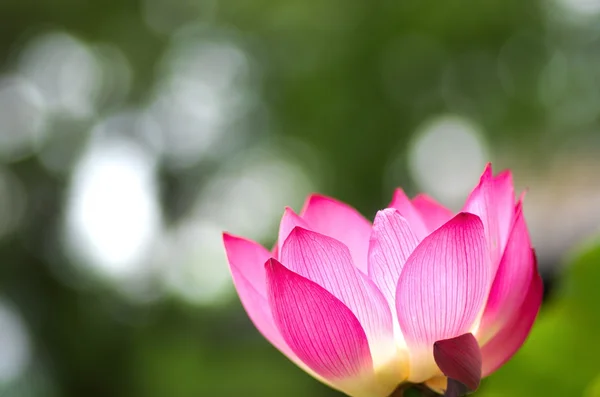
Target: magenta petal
pixel 392 242
pixel 442 288
pixel 289 221
pixel 338 220
pixel 246 261
pixel 504 193
pixel 328 263
pixel 317 326
pixel 512 279
pixel 459 358
pixel 510 338
pixel 433 214
pixel 493 201
pixel 406 208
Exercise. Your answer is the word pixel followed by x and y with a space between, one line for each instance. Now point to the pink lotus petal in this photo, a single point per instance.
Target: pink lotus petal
pixel 442 288
pixel 511 337
pixel 289 221
pixel 328 263
pixel 406 208
pixel 504 193
pixel 512 279
pixel 460 359
pixel 246 262
pixel 505 344
pixel 317 326
pixel 493 201
pixel 338 220
pixel 433 214
pixel 392 242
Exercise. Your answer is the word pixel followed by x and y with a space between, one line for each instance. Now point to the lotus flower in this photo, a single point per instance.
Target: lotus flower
pixel 421 296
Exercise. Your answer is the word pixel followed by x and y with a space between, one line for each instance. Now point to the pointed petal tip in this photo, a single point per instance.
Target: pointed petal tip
pixel 467 217
pixel 226 236
pixel 319 196
pixel 273 266
pixel 299 231
pixel 422 196
pixel 460 359
pixel 519 206
pixel 271 263
pixel 387 212
pixel 230 238
pixel 314 198
pixel 523 194
pixel 488 169
pixel 289 220
pixel 288 212
pixel 398 192
pixel 504 174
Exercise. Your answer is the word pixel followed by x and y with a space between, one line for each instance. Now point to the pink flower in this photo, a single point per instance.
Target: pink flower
pixel 418 296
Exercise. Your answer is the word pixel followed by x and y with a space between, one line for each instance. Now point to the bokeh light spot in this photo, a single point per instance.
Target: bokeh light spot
pixel 195 265
pixel 201 94
pixel 14 344
pixel 22 117
pixel 246 198
pixel 447 155
pixel 65 70
pixel 112 213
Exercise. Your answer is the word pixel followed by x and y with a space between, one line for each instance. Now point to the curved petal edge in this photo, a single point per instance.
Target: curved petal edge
pixel 317 326
pixel 459 358
pixel 509 339
pixel 335 219
pixel 442 289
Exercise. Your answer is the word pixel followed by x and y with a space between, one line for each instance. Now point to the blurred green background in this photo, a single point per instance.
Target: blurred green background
pixel 133 132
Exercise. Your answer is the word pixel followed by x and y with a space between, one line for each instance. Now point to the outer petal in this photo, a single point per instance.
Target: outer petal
pixel 512 279
pixel 246 262
pixel 289 221
pixel 506 343
pixel 434 214
pixel 392 242
pixel 504 193
pixel 318 327
pixel 491 200
pixel 327 262
pixel 338 220
pixel 441 289
pixel 408 211
pixel 460 359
